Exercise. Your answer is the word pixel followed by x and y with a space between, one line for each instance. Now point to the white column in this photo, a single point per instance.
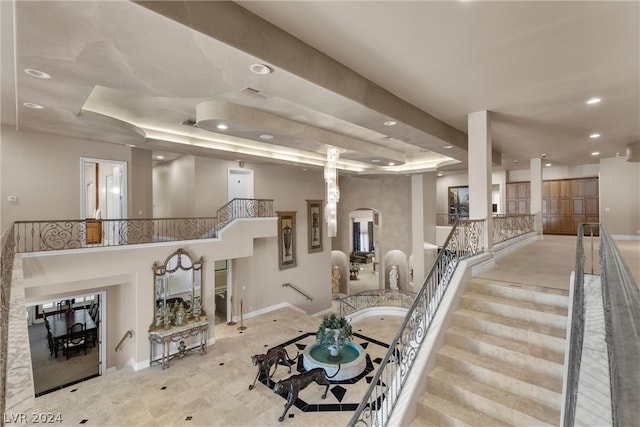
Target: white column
pixel 417 230
pixel 535 191
pixel 479 128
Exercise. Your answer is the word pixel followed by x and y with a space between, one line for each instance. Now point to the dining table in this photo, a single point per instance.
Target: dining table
pixel 59 323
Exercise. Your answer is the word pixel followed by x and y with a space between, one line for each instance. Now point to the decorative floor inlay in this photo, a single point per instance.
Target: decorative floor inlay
pixel 344 395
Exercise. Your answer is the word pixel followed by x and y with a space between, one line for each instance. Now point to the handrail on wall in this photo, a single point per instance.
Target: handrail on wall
pixel 128 334
pixel 284 285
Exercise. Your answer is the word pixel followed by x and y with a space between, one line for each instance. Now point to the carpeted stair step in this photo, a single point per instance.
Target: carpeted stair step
pixel 434 410
pixel 523 382
pixel 520 355
pixel 514 329
pixel 494 402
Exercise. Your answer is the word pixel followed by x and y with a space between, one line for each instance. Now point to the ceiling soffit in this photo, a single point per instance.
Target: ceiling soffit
pixel 227 22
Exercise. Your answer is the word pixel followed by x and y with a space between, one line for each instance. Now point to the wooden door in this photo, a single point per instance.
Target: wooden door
pixel 567 203
pixel 518 198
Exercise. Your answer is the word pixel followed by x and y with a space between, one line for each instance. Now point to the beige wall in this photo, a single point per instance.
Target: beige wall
pixel 174 193
pixel 556 172
pixel 130 291
pixel 390 195
pixel 140 177
pixel 257 280
pixel 620 196
pixel 43 172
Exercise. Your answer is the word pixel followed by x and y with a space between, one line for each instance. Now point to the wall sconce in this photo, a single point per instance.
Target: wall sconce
pixel 333 192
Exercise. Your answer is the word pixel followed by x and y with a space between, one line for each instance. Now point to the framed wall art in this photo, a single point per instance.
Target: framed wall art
pixel 458 203
pixel 314 225
pixel 286 240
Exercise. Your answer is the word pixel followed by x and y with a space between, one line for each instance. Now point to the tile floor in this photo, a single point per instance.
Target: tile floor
pixel 212 390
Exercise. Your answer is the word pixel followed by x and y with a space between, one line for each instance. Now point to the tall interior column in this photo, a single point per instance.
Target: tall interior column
pixel 479 128
pixel 535 192
pixel 417 230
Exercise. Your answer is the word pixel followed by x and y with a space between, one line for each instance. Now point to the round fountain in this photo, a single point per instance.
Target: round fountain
pixel 352 360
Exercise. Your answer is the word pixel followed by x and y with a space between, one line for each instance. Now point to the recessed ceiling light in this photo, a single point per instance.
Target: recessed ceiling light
pixel 375 161
pixel 266 136
pixel 37 73
pixel 547 164
pixel 222 126
pixel 595 153
pixel 391 164
pixel 594 101
pixel 594 135
pixel 447 147
pixel 160 157
pixel 33 105
pixel 261 69
pixel 440 174
pixel 390 123
pixel 130 145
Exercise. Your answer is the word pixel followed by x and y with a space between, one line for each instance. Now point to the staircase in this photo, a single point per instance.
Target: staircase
pixel 502 362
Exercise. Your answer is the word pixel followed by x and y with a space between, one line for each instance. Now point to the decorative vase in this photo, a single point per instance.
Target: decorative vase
pixel 286 235
pixel 197 308
pixel 180 314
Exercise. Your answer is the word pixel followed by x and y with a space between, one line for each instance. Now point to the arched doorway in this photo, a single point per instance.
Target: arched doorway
pixel 364 232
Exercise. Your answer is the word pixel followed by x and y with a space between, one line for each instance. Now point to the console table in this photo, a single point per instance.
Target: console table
pixel 160 335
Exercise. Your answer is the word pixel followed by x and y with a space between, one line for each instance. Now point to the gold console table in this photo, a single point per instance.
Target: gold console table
pixel 160 335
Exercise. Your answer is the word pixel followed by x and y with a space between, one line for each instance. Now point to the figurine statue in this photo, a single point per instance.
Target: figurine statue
pixel 335 280
pixel 393 278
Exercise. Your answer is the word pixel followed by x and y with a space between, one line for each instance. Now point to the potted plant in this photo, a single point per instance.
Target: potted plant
pixel 333 332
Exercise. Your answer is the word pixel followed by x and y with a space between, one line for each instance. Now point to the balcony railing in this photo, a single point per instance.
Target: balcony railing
pixel 34 236
pixel 507 227
pixel 375 298
pixel 5 297
pixel 449 219
pixel 465 240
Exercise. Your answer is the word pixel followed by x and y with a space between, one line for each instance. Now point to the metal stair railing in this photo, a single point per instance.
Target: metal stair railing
pixel 465 240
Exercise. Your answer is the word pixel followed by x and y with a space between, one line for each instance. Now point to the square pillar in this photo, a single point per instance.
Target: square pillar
pixel 479 128
pixel 535 192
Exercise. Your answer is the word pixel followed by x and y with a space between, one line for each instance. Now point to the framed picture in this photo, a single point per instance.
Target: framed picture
pixel 286 240
pixel 314 221
pixel 458 203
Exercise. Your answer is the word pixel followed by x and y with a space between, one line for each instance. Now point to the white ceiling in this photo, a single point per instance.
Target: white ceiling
pixel 132 73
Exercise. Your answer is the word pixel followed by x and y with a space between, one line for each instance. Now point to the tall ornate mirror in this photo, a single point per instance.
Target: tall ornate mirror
pixel 178 290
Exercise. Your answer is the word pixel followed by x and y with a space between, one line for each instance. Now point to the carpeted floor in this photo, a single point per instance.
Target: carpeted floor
pixel 50 373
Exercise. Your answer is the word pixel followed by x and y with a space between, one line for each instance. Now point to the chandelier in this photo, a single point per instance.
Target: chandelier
pixel 333 192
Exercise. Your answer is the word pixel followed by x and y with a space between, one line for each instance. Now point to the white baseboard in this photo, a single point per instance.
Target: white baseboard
pixel 271 308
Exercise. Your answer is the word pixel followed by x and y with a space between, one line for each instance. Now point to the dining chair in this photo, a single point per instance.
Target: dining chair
pixel 93 334
pixel 50 341
pixel 75 340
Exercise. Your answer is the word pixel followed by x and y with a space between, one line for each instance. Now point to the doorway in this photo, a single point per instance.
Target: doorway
pixel 364 229
pixel 239 184
pixel 51 372
pixel 222 312
pixel 103 190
